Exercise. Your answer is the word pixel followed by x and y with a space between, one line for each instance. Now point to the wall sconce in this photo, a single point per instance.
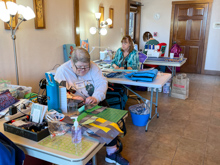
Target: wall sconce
pixel 100 28
pixel 7 15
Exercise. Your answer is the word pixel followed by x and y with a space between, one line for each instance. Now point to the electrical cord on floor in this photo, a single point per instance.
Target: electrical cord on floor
pixel 55 66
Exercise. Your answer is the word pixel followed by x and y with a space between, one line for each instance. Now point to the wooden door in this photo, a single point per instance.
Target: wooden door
pixel 189 27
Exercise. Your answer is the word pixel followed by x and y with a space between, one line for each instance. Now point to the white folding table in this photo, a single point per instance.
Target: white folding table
pixel 36 150
pixel 159 82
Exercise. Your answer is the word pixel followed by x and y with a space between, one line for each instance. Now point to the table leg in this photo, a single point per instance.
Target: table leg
pixel 151 101
pixel 156 103
pixel 173 74
pixel 94 161
pixel 151 106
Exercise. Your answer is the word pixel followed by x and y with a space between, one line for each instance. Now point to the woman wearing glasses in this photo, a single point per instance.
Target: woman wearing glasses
pixel 89 85
pixel 126 57
pixel 83 77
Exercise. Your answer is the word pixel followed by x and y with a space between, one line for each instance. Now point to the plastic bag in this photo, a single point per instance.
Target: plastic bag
pixel 57 128
pixel 141 109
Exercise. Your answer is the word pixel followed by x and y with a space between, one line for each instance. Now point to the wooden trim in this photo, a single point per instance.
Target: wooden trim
pixel 206 37
pixel 171 26
pixel 127 14
pixel 212 72
pixel 138 25
pixel 76 22
pixel 187 2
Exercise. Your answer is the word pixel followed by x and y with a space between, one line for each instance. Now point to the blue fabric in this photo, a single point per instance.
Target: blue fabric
pixel 132 59
pixel 67 51
pixel 144 76
pixel 10 153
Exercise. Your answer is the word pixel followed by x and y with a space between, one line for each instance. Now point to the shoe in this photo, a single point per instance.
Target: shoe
pixel 116 158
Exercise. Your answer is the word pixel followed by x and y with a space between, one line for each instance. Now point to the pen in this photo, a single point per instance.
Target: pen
pixel 21 118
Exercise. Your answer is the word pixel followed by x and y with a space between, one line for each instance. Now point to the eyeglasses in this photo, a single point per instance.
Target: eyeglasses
pixel 80 68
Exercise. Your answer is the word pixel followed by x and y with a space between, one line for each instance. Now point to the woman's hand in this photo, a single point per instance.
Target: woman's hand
pixel 129 68
pixel 91 100
pixel 122 68
pixel 115 66
pixel 78 98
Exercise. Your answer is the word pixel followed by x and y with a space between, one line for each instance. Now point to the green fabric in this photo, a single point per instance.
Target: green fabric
pixel 150 42
pixel 132 59
pixel 110 114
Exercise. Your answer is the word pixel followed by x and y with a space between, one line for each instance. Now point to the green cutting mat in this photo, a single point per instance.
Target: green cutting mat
pixel 64 144
pixel 110 114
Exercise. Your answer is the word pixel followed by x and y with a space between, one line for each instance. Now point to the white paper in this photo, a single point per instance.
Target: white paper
pixel 36 115
pixel 63 99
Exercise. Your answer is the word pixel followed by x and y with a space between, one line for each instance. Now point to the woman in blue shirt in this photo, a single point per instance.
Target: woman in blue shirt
pixel 126 57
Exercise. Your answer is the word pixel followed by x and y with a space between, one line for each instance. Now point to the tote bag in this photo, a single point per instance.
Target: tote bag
pixel 180 86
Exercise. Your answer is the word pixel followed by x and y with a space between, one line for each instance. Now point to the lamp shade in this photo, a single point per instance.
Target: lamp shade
pixel 109 21
pixel 103 31
pixel 21 9
pixel 92 30
pixel 97 15
pixel 12 7
pixel 4 15
pixel 28 13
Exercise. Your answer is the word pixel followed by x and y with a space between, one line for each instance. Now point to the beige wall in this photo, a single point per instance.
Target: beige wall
pixel 38 51
pixel 87 20
pixel 162 26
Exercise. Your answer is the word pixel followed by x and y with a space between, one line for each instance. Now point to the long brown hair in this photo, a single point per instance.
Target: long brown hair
pixel 130 41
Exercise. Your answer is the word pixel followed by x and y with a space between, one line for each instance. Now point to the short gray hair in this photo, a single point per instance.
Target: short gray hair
pixel 80 54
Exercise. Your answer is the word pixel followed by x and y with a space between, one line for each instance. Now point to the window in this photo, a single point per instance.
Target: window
pixel 132 25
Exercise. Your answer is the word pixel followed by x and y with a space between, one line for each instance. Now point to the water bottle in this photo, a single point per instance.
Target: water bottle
pixel 76 132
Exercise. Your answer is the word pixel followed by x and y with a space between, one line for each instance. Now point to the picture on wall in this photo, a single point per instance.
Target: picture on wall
pixel 14 20
pixel 101 10
pixel 40 14
pixel 111 16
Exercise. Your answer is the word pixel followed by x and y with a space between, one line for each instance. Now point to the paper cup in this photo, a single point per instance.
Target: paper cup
pixel 171 55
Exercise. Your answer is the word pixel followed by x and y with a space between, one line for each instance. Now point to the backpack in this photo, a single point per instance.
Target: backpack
pixel 116 96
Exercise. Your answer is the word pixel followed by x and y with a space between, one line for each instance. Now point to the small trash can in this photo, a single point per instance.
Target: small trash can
pixel 139 114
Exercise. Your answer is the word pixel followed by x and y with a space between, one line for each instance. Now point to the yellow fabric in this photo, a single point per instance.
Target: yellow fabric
pixel 101 120
pixel 105 129
pixel 116 127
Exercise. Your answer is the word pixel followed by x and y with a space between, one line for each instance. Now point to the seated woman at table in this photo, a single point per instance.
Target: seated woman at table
pixel 126 57
pixel 150 41
pixel 84 78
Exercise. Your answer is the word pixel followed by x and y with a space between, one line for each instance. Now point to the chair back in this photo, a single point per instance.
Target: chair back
pixel 67 51
pixel 162 48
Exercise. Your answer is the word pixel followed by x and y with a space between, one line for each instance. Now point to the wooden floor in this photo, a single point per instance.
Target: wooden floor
pixel 186 133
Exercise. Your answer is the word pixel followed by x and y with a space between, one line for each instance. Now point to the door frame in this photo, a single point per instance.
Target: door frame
pixel 209 2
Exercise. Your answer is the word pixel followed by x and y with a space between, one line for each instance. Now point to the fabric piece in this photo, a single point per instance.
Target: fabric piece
pixel 6 99
pixel 10 153
pixel 132 59
pixel 97 111
pixel 93 77
pixel 144 76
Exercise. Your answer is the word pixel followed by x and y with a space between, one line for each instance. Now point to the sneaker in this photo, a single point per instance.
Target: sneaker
pixel 116 158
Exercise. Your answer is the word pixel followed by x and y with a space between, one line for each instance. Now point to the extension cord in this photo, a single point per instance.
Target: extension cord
pixel 18 114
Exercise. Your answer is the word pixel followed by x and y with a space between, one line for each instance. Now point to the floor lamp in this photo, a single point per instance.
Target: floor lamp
pixel 7 15
pixel 100 28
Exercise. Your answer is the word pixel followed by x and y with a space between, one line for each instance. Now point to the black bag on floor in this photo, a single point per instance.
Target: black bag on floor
pixel 116 96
